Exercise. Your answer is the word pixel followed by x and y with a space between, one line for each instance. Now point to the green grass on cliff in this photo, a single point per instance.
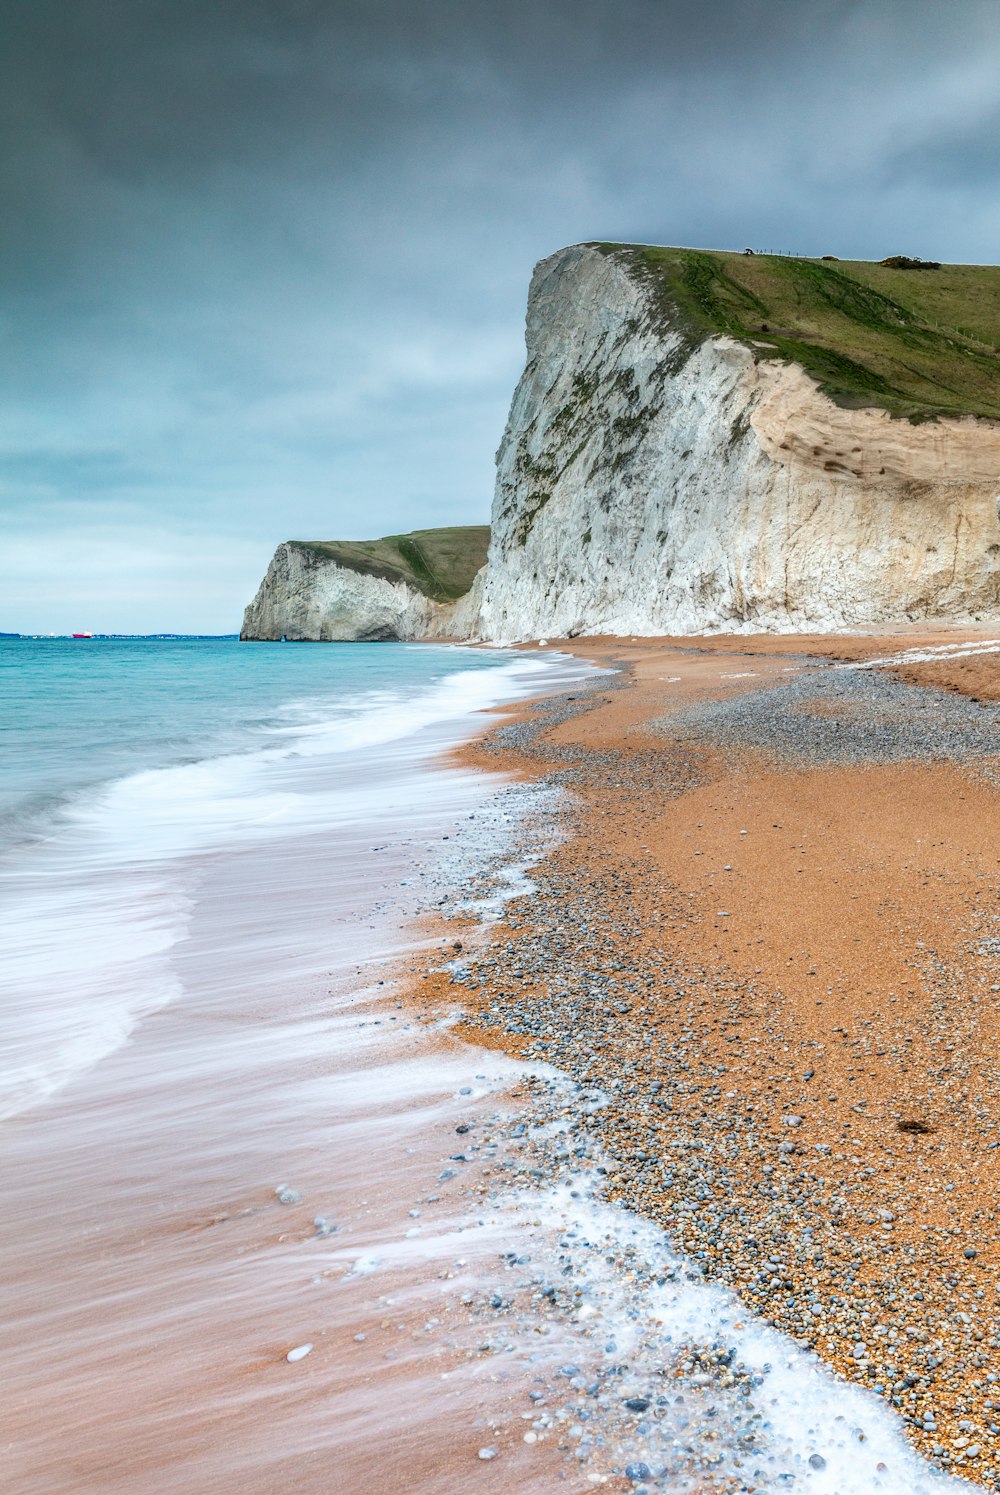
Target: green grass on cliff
pixel 917 342
pixel 441 563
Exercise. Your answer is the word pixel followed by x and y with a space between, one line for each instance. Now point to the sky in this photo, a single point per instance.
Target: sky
pixel 263 263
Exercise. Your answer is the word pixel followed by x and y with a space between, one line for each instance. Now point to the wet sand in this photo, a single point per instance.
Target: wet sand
pixel 258 1169
pixel 774 936
pixel 296 1234
pixel 302 1151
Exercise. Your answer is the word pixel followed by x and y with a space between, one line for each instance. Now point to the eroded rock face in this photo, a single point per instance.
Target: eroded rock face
pixel 644 487
pixel 650 484
pixel 305 595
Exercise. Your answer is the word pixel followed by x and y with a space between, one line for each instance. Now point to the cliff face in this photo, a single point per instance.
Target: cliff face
pixel 653 482
pixel 307 596
pixel 399 588
pixel 675 463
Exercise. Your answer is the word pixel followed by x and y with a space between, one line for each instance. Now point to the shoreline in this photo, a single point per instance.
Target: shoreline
pixel 202 1199
pixel 298 1155
pixel 846 1190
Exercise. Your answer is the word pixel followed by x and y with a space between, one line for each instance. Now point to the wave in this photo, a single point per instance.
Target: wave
pixel 94 909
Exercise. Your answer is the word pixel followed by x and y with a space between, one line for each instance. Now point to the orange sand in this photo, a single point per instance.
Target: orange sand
pixel 850 902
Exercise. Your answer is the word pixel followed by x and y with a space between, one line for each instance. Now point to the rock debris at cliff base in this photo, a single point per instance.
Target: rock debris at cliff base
pixel 777 953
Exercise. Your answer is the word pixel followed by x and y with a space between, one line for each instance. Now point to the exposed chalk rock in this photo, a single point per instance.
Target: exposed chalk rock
pixel 659 476
pixel 404 587
pixel 648 486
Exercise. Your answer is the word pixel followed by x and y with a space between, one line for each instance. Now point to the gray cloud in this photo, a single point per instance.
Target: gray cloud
pixel 264 264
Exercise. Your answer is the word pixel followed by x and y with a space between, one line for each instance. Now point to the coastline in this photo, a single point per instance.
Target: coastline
pixel 235 1174
pixel 794 1024
pixel 301 1149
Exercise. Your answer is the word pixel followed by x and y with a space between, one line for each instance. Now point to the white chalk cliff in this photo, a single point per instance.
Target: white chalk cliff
pixel 305 595
pixel 644 487
pixel 653 481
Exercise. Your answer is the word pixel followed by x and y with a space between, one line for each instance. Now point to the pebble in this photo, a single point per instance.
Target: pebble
pixel 580 961
pixel 299 1353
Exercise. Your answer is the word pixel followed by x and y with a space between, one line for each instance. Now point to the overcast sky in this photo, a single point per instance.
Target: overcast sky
pixel 264 265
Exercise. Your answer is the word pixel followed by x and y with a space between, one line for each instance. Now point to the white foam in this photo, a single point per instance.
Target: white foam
pixel 635 1303
pixel 93 912
pixel 805 1409
pixel 925 654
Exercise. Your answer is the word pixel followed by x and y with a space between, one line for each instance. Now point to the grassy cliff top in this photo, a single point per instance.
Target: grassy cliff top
pixel 441 563
pixel 918 342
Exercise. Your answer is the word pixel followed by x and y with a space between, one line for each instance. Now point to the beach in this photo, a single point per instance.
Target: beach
pixel 500 749
pixel 771 938
pixel 219 1121
pixel 464 1115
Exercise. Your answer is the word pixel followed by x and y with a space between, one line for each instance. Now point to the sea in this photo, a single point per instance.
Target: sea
pixel 269 1222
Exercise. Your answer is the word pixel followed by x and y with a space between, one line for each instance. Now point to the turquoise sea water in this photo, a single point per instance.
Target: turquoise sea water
pixel 212 852
pixel 76 714
pixel 130 766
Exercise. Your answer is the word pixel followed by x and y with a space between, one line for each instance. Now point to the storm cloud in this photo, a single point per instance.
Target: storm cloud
pixel 264 264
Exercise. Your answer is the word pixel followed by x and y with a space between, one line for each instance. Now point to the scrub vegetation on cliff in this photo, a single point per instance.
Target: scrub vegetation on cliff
pixel 440 563
pixel 919 346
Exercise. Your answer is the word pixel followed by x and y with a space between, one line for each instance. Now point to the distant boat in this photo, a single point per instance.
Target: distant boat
pixel 83 635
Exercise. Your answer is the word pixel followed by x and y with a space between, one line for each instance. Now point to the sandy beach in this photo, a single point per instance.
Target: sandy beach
pixel 772 939
pixel 235 1250
pixel 500 743
pixel 584 1093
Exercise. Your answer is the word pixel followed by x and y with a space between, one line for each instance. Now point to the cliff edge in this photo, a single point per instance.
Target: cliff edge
pixel 703 441
pixel 396 588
